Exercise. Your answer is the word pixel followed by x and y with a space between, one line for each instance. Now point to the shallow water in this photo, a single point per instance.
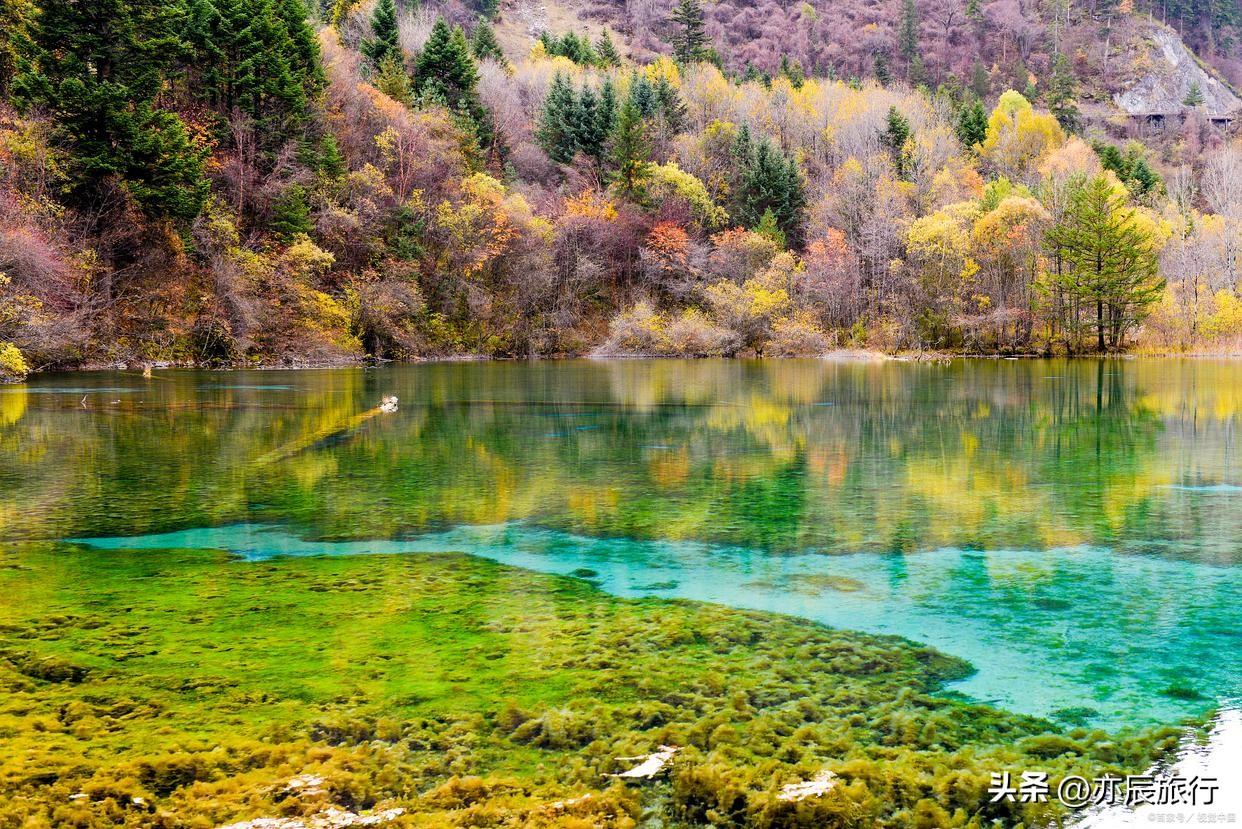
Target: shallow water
pixel 1073 528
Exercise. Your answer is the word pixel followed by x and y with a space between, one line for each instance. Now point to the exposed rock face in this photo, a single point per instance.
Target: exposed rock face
pixel 1166 74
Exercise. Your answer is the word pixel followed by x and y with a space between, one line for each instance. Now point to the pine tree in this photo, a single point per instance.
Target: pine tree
pixel 607 51
pixel 630 152
pixel 643 96
pixel 1109 261
pixel 689 39
pixel 384 43
pixel 391 78
pixel 607 112
pixel 882 73
pixel 557 132
pixel 769 181
pixel 972 124
pixel 1194 95
pixel 14 20
pixel 1061 92
pixel 446 72
pixel 483 44
pixel 908 41
pixel 980 82
pixel 304 58
pixel 266 84
pixel 291 213
pixel 896 134
pixel 792 70
pixel 670 104
pixel 101 94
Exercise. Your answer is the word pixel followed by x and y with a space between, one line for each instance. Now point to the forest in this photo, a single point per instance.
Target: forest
pixel 255 182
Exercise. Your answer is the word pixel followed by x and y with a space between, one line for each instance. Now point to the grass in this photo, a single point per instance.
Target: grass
pixel 184 690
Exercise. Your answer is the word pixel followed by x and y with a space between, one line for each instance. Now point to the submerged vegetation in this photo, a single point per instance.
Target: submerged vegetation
pixel 473 695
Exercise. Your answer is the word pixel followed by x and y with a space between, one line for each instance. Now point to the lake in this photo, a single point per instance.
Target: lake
pixel 1072 528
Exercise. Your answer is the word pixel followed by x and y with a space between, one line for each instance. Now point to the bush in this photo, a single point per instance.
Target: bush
pixel 797 336
pixel 13 368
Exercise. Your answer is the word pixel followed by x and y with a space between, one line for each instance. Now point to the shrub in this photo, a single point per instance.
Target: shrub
pixel 13 368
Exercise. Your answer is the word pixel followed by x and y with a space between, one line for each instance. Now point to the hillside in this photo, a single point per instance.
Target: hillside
pixel 251 182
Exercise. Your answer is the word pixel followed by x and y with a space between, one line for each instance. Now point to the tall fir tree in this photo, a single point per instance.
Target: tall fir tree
pixel 643 95
pixel 631 152
pixel 14 20
pixel 1061 94
pixel 894 137
pixel 484 45
pixel 908 41
pixel 557 130
pixel 384 43
pixel 101 95
pixel 607 51
pixel 689 38
pixel 769 181
pixel 445 70
pixel 1109 261
pixel 972 124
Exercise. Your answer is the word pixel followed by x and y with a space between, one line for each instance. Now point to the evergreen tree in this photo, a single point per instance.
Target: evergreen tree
pixel 792 70
pixel 1061 93
pixel 14 19
pixel 607 112
pixel 1109 262
pixel 882 73
pixel 446 72
pixel 689 39
pixel 972 124
pixel 96 67
pixel 631 152
pixel 483 44
pixel 291 213
pixel 896 134
pixel 588 137
pixel 980 82
pixel 384 43
pixel 670 104
pixel 557 131
pixel 908 41
pixel 770 181
pixel 643 95
pixel 266 85
pixel 607 51
pixel 304 59
pixel 392 79
pixel 1194 95
pixel 330 163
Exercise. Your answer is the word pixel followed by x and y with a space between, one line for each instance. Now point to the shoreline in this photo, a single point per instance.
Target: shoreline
pixel 836 356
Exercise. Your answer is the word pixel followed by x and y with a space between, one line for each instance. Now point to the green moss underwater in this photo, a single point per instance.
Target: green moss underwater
pixel 179 689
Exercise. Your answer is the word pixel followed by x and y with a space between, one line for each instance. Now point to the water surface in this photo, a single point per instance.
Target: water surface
pixel 1073 528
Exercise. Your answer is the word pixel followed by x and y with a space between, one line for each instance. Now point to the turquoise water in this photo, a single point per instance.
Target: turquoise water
pixel 1132 639
pixel 1072 528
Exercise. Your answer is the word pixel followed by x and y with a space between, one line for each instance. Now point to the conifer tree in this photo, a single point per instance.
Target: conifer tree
pixel 1061 92
pixel 631 152
pixel 557 131
pixel 101 96
pixel 689 39
pixel 445 71
pixel 607 51
pixel 882 73
pixel 670 104
pixel 643 96
pixel 14 19
pixel 607 114
pixel 896 134
pixel 972 124
pixel 770 181
pixel 908 41
pixel 384 43
pixel 266 84
pixel 483 43
pixel 1109 261
pixel 1194 95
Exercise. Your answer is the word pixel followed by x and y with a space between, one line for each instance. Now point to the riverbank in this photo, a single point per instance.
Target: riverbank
pixel 466 692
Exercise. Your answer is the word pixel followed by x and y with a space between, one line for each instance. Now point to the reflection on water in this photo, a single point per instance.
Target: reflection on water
pixel 1078 522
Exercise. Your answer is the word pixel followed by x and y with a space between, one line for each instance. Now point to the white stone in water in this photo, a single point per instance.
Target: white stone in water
pixel 818 785
pixel 651 764
pixel 327 819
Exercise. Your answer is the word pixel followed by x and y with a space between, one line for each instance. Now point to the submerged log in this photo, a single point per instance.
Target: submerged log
pixel 818 785
pixel 651 765
pixel 387 405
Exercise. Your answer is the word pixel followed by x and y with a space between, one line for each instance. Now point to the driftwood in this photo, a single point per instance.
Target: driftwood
pixel 651 765
pixel 387 405
pixel 818 785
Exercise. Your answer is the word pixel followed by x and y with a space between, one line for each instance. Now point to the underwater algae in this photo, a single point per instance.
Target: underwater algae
pixel 473 694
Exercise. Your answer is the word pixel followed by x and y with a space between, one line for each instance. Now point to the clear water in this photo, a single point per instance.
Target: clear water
pixel 1072 528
